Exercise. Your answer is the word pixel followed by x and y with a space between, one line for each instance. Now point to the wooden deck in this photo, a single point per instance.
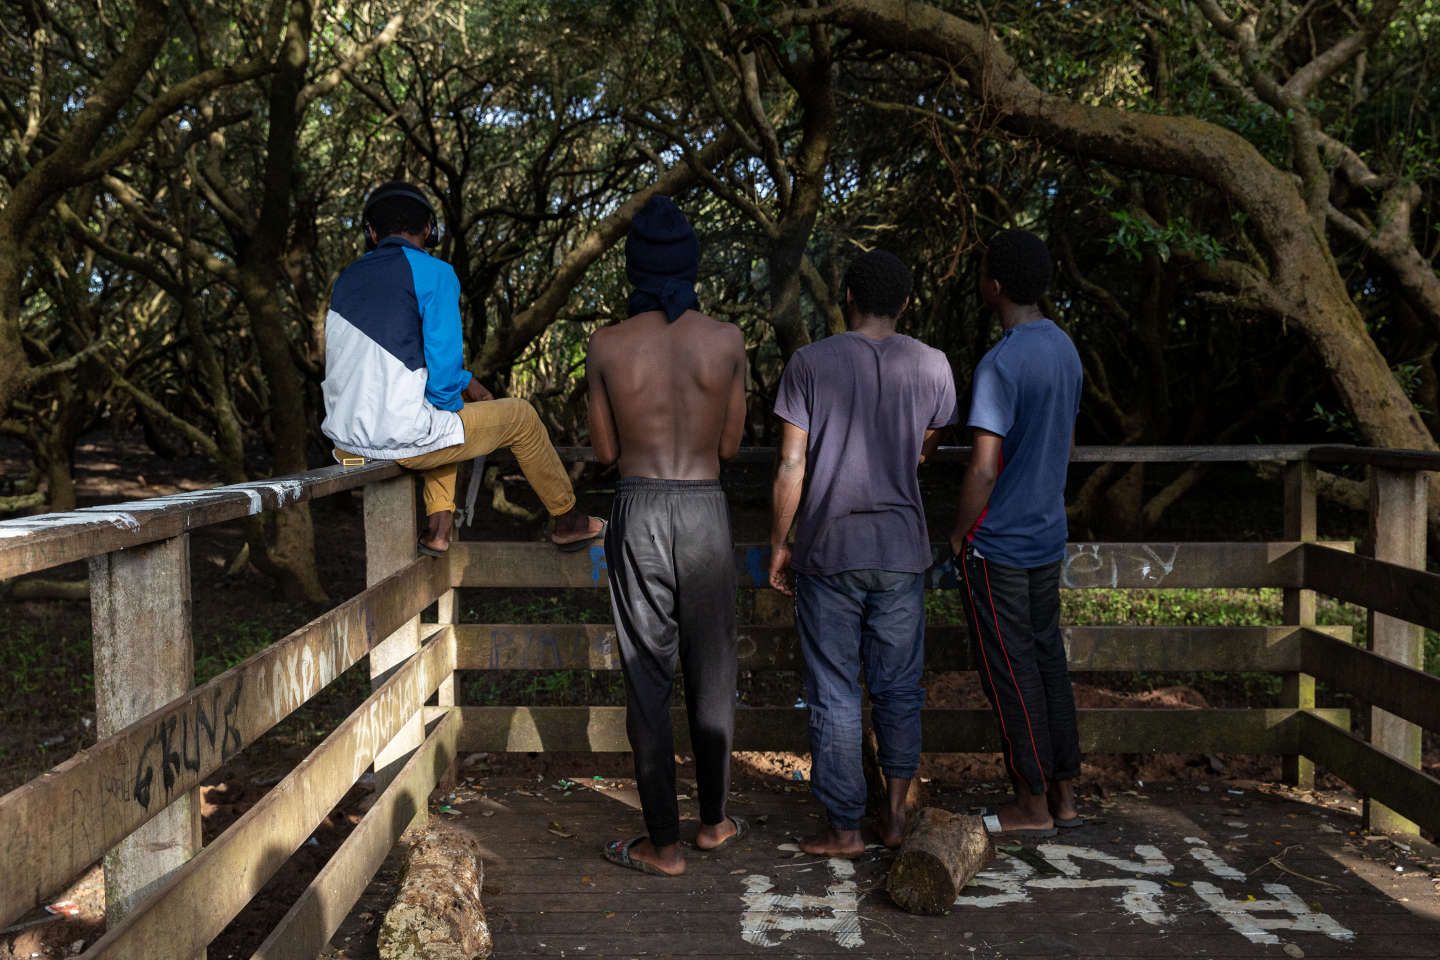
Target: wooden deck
pixel 1168 872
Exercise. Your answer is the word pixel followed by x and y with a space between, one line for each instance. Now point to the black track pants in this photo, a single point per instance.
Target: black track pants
pixel 672 588
pixel 1015 620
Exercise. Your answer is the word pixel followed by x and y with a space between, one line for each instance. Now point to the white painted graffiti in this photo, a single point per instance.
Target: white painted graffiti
pixel 771 918
pixel 1243 915
pixel 1012 880
pixel 1099 565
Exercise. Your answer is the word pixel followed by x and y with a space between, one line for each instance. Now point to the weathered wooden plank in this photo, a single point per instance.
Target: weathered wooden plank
pixel 1242 453
pixel 1135 565
pixel 602 730
pixel 1169 649
pixel 1397 533
pixel 306 928
pixel 1389 459
pixel 1298 690
pixel 55 826
pixel 389 546
pixel 1408 791
pixel 140 619
pixel 30 544
pixel 187 911
pixel 1403 690
pixel 1399 591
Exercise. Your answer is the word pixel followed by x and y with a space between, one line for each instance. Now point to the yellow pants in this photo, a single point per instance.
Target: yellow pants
pixel 490 425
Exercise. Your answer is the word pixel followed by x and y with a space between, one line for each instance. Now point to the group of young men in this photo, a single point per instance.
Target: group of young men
pixel 859 412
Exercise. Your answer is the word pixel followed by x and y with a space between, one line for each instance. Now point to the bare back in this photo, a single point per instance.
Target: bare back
pixel 667 399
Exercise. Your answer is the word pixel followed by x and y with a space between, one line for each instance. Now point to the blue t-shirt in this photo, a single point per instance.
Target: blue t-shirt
pixel 1027 390
pixel 865 405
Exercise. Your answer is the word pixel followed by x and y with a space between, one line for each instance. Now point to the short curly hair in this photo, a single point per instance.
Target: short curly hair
pixel 879 282
pixel 1021 263
pixel 399 214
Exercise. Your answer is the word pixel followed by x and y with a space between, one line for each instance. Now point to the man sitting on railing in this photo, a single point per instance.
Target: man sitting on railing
pixel 667 400
pixel 1010 532
pixel 396 387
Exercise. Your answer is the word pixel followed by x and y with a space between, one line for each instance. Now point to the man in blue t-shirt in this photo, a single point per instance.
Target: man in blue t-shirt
pixel 861 410
pixel 1010 532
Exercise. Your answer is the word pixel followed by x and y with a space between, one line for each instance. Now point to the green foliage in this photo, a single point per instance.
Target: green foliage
pixel 1134 234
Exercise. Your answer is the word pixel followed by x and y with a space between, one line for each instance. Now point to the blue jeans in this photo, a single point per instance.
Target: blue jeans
pixel 874 619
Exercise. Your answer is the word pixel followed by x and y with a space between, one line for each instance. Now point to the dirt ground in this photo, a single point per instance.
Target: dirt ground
pixel 44 653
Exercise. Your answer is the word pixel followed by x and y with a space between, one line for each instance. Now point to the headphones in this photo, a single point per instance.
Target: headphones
pixel 407 192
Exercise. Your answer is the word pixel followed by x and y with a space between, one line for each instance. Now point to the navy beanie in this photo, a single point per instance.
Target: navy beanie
pixel 662 260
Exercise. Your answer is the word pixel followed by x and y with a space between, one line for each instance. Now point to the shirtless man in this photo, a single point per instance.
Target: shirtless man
pixel 667 402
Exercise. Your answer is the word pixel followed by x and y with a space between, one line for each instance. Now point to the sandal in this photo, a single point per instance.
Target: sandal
pixel 618 853
pixel 429 551
pixel 992 827
pixel 741 828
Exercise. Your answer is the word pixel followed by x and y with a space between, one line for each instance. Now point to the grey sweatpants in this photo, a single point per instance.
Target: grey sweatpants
pixel 672 589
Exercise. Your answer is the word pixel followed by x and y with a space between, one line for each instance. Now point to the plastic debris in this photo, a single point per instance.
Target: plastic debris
pixel 800 704
pixel 797 775
pixel 63 908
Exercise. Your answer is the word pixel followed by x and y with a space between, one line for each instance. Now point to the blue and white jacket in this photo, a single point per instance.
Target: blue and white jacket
pixel 394 364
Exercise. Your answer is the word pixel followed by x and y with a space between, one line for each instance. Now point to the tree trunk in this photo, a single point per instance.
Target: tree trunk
pixel 1304 286
pixel 437 914
pixel 261 269
pixel 34 194
pixel 942 852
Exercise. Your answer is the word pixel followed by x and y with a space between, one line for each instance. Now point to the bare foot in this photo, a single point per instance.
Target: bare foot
pixel 891 822
pixel 668 859
pixel 846 844
pixel 1060 797
pixel 576 527
pixel 891 828
pixel 1022 816
pixel 713 835
pixel 437 537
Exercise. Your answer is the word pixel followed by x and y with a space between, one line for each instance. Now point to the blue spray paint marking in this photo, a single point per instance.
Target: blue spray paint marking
pixel 598 569
pixel 757 564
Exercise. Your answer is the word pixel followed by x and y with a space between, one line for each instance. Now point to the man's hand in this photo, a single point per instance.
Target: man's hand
pixel 475 392
pixel 781 576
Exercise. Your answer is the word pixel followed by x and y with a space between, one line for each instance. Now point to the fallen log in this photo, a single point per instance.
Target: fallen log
pixel 942 852
pixel 437 914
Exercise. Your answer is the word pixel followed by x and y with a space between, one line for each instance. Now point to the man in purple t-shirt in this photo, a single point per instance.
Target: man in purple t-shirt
pixel 861 411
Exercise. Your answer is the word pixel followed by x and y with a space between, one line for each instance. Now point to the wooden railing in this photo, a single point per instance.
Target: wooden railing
pixel 131 799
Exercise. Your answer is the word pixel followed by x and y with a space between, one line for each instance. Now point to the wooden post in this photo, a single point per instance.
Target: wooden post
pixel 445 614
pixel 1299 688
pixel 1397 532
pixel 445 693
pixel 140 620
pixel 390 536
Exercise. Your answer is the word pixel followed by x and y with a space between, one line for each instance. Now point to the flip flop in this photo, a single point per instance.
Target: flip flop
pixel 575 546
pixel 741 828
pixel 1071 823
pixel 618 853
pixel 992 827
pixel 430 551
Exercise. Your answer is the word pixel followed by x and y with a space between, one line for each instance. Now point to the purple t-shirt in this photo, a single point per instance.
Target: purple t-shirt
pixel 866 405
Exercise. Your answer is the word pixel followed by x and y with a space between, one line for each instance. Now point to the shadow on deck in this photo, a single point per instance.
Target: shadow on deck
pixel 1169 871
